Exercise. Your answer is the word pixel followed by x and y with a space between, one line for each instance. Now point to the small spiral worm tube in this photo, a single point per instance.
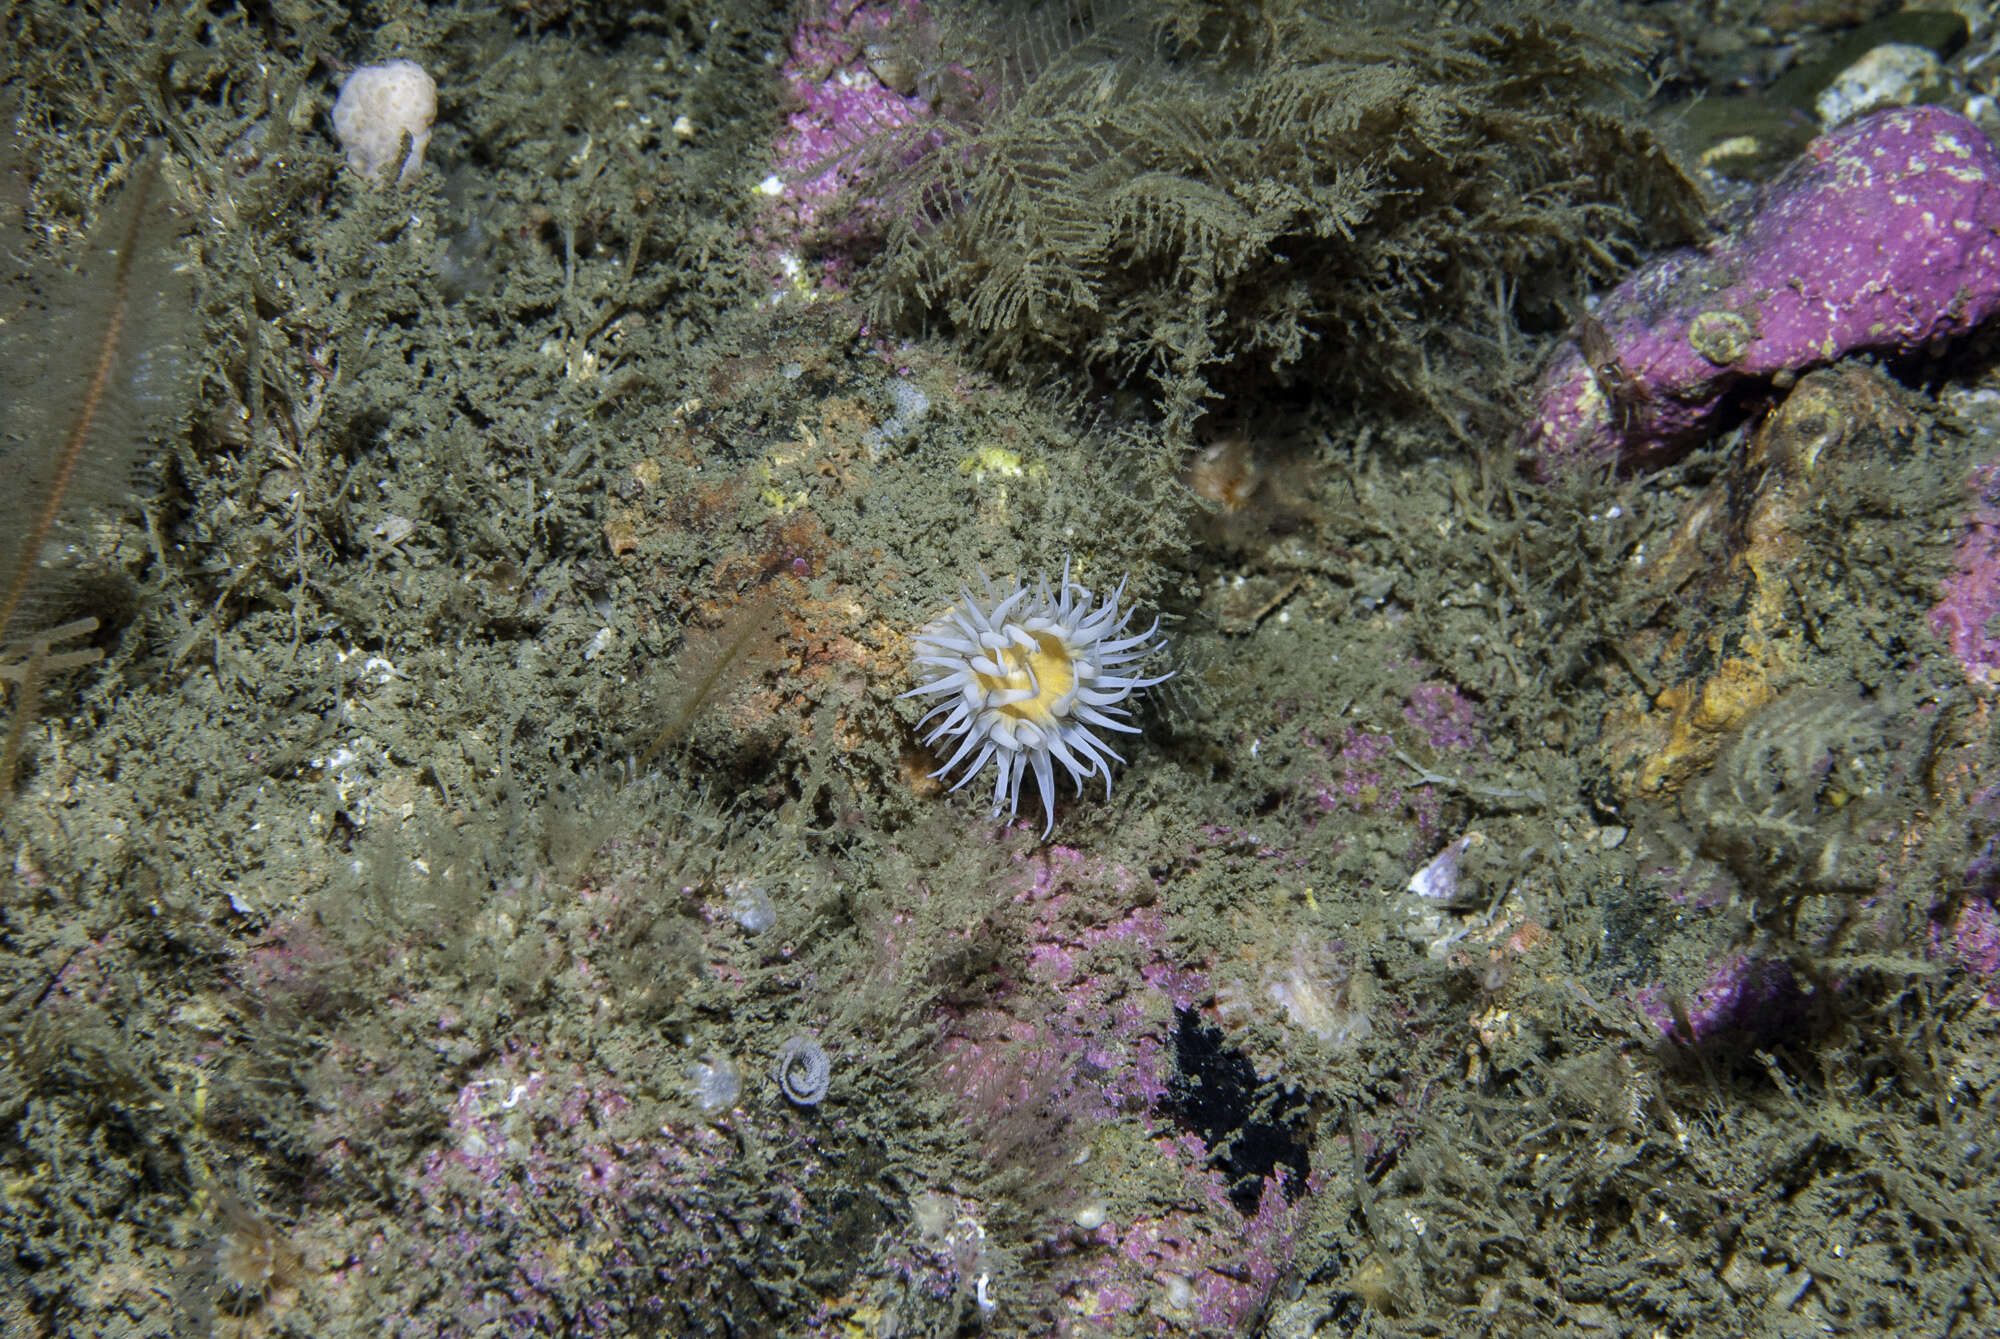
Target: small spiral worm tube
pixel 803 1070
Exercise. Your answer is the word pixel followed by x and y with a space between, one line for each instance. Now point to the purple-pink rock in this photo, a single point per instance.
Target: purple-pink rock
pixel 1884 234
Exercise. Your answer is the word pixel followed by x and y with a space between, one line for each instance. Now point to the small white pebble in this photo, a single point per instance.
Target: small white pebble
pixel 683 127
pixel 1894 74
pixel 1090 1217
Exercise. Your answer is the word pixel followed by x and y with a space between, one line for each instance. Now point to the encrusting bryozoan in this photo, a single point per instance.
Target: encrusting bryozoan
pixel 1031 674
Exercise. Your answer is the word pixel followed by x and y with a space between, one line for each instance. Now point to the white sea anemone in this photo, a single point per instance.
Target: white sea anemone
pixel 1031 675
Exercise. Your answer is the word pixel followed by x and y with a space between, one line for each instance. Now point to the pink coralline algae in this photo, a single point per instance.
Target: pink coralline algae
pixel 1973 940
pixel 1968 614
pixel 1190 1260
pixel 840 104
pixel 1099 1021
pixel 1365 776
pixel 1444 719
pixel 1885 234
pixel 1969 934
pixel 1751 999
pixel 1205 1270
pixel 531 1134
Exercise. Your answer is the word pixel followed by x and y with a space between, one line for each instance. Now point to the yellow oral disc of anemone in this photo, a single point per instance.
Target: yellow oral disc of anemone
pixel 1048 668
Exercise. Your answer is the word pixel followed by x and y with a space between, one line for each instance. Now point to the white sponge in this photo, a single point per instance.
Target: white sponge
pixel 378 104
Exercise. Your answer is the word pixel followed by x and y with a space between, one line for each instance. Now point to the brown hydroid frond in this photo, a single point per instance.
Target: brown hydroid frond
pixel 92 369
pixel 747 637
